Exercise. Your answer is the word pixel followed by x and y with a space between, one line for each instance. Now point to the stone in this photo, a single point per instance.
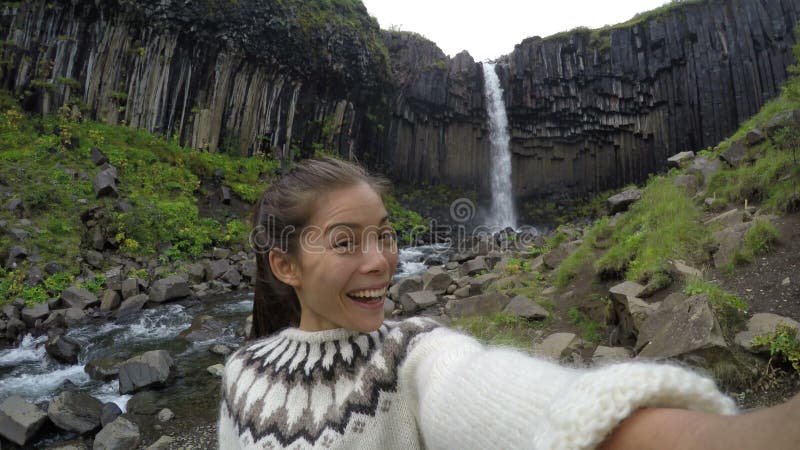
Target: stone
pixel 109 413
pixel 121 434
pixel 680 328
pixel 728 241
pixel 436 280
pixel 98 157
pixel 131 305
pixel 463 292
pixel 473 267
pixel 163 443
pixel 727 219
pixel 129 288
pixel 196 272
pixel 74 411
pixel 10 311
pixel 786 281
pixel 526 308
pixel 121 206
pixel 754 137
pixel 735 154
pixel 78 297
pixel 232 277
pixel 220 349
pixel 39 311
pixel 18 234
pixel 16 254
pixel 622 201
pixel 624 296
pixel 217 370
pixel 105 184
pixel 144 403
pixel 217 268
pixel 556 256
pixel 763 324
pixel 680 159
pixel 103 369
pixel 14 328
pixel 686 270
pixel 150 369
pixel 225 195
pixel 204 328
pixel 63 348
pixel 606 355
pixel 74 316
pixel 248 268
pixel 484 304
pixel 688 183
pixel 558 345
pixel 165 415
pixel 94 258
pixel 781 120
pixel 479 284
pixel 55 320
pixel 220 253
pixel 414 301
pixel 15 206
pixel 170 288
pixel 53 268
pixel 110 300
pixel 34 277
pixel 20 420
pixel 410 284
pixel 388 306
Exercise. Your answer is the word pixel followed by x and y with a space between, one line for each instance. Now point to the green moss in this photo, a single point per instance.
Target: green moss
pixel 568 269
pixel 590 330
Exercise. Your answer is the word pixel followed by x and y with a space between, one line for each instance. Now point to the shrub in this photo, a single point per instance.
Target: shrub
pixel 782 345
pixel 590 329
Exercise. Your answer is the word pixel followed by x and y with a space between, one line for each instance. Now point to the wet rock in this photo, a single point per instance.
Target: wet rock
pixel 55 320
pixel 436 280
pixel 170 288
pixel 20 420
pixel 477 305
pixel 204 328
pixel 98 157
pixel 165 415
pixel 77 297
pixel 110 300
pixel 105 184
pixel 103 369
pixel 763 324
pixel 248 269
pixel 558 345
pixel 620 202
pixel 74 411
pixel 217 370
pixel 525 308
pixel 63 349
pixel 14 328
pixel 220 349
pixel 109 413
pixel 144 403
pixel 680 160
pixel 414 301
pixel 121 434
pixel 38 311
pixel 150 369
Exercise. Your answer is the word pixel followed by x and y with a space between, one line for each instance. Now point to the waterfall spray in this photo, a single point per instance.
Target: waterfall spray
pixel 502 212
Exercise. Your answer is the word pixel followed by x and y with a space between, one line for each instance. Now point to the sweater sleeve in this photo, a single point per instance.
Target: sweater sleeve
pixel 472 397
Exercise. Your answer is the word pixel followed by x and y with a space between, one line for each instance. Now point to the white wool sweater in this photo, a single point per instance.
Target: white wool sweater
pixel 414 384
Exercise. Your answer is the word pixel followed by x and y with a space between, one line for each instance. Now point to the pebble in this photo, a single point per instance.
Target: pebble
pixel 785 281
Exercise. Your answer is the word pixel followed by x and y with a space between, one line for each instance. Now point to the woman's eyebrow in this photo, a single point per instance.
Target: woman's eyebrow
pixel 352 226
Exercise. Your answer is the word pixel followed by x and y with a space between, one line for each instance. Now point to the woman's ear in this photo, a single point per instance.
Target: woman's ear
pixel 284 268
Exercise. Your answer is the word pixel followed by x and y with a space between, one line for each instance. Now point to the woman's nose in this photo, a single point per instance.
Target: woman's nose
pixel 376 258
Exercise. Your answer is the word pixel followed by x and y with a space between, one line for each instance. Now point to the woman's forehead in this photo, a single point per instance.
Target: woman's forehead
pixel 357 206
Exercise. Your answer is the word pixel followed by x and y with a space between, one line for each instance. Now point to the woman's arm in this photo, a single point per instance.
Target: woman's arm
pixel 772 428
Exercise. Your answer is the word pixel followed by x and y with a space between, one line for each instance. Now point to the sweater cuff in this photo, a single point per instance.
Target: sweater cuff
pixel 599 400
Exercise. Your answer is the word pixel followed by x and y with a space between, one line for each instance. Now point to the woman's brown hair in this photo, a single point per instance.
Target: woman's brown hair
pixel 283 211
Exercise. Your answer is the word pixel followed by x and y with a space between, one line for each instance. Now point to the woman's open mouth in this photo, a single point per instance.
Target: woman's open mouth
pixel 368 296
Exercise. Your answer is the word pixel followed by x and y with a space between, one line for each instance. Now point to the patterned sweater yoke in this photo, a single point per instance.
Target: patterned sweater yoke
pixel 415 384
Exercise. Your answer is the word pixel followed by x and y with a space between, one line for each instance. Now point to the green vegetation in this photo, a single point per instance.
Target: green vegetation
pixel 500 329
pixel 590 330
pixel 568 269
pixel 728 308
pixel 782 345
pixel 405 222
pixel 758 240
pixel 663 225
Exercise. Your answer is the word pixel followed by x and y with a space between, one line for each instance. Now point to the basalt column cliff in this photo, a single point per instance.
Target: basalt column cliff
pixel 593 110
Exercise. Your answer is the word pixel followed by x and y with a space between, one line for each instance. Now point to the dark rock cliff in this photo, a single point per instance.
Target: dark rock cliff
pixel 588 110
pixel 593 110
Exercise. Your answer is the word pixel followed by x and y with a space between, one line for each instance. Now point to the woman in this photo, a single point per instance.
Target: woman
pixel 326 371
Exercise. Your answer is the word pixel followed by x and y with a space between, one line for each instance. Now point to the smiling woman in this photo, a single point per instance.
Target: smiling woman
pixel 324 369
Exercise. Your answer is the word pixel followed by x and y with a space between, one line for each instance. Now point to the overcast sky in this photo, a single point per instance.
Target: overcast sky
pixel 490 28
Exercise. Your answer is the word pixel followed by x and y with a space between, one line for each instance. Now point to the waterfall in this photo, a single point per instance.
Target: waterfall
pixel 502 212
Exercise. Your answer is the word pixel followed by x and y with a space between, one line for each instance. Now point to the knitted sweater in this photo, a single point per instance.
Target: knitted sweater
pixel 414 384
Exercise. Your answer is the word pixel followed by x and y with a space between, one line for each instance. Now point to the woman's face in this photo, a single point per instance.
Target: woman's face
pixel 347 257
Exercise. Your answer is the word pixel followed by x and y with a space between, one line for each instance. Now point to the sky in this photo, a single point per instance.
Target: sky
pixel 489 29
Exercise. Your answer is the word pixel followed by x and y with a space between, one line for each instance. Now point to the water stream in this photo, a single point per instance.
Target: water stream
pixel 502 212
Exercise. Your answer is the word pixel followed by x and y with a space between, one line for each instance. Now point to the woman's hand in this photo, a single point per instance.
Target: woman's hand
pixel 772 428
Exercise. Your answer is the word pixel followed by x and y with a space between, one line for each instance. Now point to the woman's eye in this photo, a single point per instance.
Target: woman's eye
pixel 343 244
pixel 390 235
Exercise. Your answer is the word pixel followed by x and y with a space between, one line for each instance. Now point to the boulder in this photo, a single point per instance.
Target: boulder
pixel 225 195
pixel 220 253
pixel 63 349
pixel 248 269
pixel 77 297
pixel 781 120
pixel 686 270
pixel 735 154
pixel 479 284
pixel 10 311
pixel 121 434
pixel 217 268
pixel 20 420
pixel 103 369
pixel 473 267
pixel 388 306
pixel 526 308
pixel 679 328
pixel 129 288
pixel 197 273
pixel 436 280
pixel 688 183
pixel 727 219
pixel 105 184
pixel 14 328
pixel 94 258
pixel 622 201
pixel 150 369
pixel 16 254
pixel 55 319
pixel 53 268
pixel 98 157
pixel 74 411
pixel 144 403
pixel 728 241
pixel 217 370
pixel 166 414
pixel 163 443
pixel 170 288
pixel 232 277
pixel 39 311
pixel 204 328
pixel 110 300
pixel 763 324
pixel 463 292
pixel 680 159
pixel 110 413
pixel 754 137
pixel 410 284
pixel 556 256
pixel 625 297
pixel 413 301
pixel 74 316
pixel 484 304
pixel 220 349
pixel 558 345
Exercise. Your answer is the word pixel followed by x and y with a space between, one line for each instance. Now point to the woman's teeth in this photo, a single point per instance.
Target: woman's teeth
pixel 368 296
